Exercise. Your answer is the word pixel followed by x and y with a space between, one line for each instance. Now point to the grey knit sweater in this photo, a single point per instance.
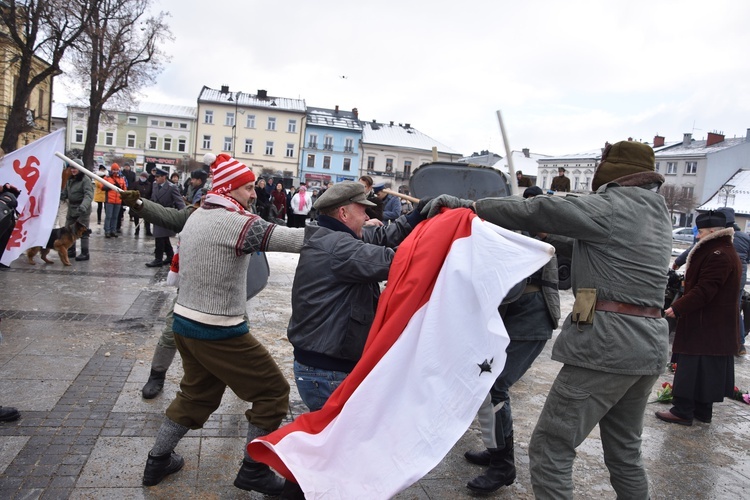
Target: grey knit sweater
pixel 214 253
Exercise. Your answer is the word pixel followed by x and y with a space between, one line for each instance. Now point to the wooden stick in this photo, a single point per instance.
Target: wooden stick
pixel 401 195
pixel 80 168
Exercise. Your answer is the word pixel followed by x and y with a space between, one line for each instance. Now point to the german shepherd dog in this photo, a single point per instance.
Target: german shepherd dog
pixel 61 239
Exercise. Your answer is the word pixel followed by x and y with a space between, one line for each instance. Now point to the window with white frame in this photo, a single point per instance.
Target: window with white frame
pixel 691 167
pixel 229 121
pixel 687 192
pixel 310 161
pixel 389 165
pixel 370 163
pixel 167 144
pixel 152 142
pixel 544 180
pixel 181 145
pixel 292 126
pixel 347 164
pixel 169 124
pixel 79 135
pixel 269 148
pixel 208 117
pixel 671 167
pixel 131 140
pixel 656 167
pixel 183 125
pixel 109 138
pixel 348 145
pixel 289 150
pixel 312 141
pixel 248 146
pixel 271 123
pixel 133 120
pixel 227 144
pixel 250 121
pixel 326 162
pixel 154 123
pixel 328 143
pixel 206 142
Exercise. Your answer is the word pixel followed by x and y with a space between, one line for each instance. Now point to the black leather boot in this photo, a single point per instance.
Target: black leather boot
pixel 8 414
pixel 255 476
pixel 84 255
pixel 154 385
pixel 157 468
pixel 501 472
pixel 478 457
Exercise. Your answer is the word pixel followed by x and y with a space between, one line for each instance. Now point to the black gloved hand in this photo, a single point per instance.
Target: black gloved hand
pixel 10 188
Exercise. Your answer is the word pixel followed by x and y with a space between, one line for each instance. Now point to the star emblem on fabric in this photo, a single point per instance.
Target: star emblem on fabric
pixel 485 366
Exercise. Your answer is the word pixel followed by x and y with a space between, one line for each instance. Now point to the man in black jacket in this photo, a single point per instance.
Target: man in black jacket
pixel 8 204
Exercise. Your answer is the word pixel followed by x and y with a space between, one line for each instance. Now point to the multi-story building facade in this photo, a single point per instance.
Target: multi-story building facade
pixel 391 152
pixel 330 151
pixel 39 103
pixel 699 169
pixel 160 133
pixel 262 131
pixel 579 168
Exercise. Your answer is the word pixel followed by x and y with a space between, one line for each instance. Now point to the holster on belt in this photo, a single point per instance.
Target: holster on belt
pixel 583 307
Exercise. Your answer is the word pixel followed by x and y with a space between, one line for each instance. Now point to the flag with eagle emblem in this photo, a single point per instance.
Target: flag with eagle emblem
pixel 435 347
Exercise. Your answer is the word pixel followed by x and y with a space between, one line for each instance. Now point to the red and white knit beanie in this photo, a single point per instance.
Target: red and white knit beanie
pixel 228 174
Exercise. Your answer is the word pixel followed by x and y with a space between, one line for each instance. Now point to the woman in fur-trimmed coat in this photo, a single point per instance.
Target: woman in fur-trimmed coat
pixel 707 323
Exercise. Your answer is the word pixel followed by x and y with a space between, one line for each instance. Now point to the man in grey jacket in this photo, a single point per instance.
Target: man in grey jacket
pixel 336 288
pixel 615 342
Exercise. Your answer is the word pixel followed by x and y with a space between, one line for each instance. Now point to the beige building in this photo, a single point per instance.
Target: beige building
pixel 391 152
pixel 39 103
pixel 260 130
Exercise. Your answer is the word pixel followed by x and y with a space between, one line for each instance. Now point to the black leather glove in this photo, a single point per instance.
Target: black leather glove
pixel 10 188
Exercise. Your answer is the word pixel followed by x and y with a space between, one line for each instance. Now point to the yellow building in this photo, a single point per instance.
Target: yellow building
pixel 39 103
pixel 262 131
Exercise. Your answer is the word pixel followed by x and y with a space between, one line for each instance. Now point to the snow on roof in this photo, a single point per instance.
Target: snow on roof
pixel 59 110
pixel 698 148
pixel 403 136
pixel 739 196
pixel 244 99
pixel 332 118
pixel 527 165
pixel 152 108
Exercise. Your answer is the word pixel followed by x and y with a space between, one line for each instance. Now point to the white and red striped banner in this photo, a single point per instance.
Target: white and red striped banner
pixel 37 172
pixel 435 348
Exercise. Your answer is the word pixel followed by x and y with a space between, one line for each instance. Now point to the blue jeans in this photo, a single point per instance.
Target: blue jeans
pixel 316 385
pixel 111 213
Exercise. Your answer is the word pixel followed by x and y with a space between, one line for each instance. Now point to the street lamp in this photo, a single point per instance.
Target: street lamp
pixel 726 190
pixel 234 126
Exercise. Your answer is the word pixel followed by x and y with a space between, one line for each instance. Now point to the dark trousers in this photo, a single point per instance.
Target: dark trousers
pixel 163 246
pixel 99 207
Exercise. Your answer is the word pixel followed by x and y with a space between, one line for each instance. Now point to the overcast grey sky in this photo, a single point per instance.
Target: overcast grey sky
pixel 567 76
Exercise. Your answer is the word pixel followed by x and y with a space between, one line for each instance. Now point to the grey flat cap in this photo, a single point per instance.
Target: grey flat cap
pixel 342 193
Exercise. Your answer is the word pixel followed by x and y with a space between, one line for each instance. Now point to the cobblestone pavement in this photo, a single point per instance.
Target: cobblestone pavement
pixel 77 349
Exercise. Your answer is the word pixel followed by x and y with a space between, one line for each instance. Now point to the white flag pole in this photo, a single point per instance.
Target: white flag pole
pixel 509 155
pixel 86 172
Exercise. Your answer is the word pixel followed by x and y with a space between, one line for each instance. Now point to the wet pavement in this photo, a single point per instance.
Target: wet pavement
pixel 77 349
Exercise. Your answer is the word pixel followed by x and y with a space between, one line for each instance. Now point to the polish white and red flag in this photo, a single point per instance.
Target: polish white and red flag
pixel 435 348
pixel 37 173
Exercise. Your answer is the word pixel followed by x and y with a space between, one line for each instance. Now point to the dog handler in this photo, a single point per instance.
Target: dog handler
pixel 79 191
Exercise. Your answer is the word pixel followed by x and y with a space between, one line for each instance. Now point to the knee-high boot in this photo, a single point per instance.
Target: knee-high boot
pixel 72 250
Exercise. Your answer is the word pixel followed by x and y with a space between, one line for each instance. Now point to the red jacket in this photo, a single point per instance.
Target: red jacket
pixel 112 195
pixel 708 313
